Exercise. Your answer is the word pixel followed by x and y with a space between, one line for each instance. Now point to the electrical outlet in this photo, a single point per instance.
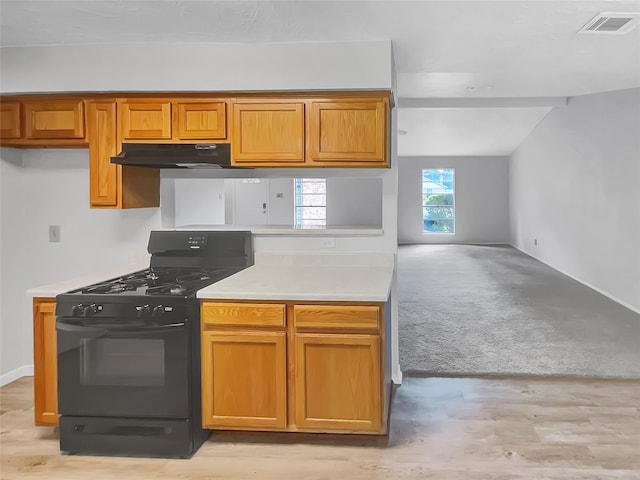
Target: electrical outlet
pixel 328 243
pixel 54 233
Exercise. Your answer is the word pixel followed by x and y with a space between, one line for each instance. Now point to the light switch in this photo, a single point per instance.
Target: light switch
pixel 54 233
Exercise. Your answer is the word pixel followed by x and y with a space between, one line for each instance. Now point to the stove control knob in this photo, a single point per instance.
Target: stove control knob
pixel 158 310
pixel 143 310
pixel 88 310
pixel 76 310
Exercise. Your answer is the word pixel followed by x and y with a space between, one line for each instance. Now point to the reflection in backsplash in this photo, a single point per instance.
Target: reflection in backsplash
pixel 333 201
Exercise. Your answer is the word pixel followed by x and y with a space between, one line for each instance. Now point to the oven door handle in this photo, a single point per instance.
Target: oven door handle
pixel 66 326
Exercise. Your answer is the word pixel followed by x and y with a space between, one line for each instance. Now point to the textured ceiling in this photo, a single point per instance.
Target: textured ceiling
pixel 442 48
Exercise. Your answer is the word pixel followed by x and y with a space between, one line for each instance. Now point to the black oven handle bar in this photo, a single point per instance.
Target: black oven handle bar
pixel 76 326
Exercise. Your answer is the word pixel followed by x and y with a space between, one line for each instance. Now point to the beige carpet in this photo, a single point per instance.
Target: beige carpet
pixel 475 310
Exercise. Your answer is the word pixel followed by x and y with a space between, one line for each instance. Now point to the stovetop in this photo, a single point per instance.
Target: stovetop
pixel 183 282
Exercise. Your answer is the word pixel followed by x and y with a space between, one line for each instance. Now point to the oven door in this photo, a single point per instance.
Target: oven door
pixel 118 370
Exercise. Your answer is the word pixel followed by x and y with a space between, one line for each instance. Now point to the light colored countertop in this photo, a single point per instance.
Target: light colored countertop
pixel 330 277
pixel 53 289
pixel 326 277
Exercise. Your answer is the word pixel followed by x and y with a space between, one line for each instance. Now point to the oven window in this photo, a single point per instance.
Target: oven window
pixel 122 362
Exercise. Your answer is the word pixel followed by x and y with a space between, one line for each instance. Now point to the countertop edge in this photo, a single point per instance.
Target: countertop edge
pixel 52 290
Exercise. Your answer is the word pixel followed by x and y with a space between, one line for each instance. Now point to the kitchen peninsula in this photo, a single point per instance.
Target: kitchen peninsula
pixel 295 342
pixel 316 327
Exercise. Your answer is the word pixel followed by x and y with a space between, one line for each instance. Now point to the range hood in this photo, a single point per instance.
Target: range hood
pixel 168 155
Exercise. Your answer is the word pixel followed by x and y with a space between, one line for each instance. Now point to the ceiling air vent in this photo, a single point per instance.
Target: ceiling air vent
pixel 617 23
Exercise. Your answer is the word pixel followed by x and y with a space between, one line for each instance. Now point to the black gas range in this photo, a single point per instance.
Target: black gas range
pixel 129 349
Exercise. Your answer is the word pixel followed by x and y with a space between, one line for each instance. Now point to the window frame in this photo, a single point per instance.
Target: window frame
pixel 300 222
pixel 453 205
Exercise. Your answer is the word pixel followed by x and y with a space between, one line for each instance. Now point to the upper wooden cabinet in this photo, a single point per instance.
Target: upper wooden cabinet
pixel 58 119
pixel 200 120
pixel 37 122
pixel 10 125
pixel 103 144
pixel 348 131
pixel 339 132
pixel 115 186
pixel 268 134
pixel 145 120
pixel 173 120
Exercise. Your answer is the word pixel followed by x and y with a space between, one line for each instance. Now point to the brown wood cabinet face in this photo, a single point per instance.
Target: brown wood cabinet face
pixel 103 144
pixel 10 120
pixel 268 133
pixel 45 362
pixel 201 120
pixel 337 380
pixel 348 132
pixel 243 314
pixel 332 317
pixel 145 120
pixel 244 380
pixel 54 119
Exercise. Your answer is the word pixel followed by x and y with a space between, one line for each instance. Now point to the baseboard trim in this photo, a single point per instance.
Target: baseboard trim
pixel 593 287
pixel 461 242
pixel 396 376
pixel 15 374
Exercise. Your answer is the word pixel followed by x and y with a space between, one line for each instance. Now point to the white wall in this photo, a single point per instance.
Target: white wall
pixel 197 67
pixel 575 187
pixel 199 201
pixel 51 187
pixel 481 199
pixel 354 201
pixel 60 195
pixel 281 201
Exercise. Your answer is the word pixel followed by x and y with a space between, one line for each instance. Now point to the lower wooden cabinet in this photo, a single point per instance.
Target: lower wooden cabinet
pixel 244 380
pixel 45 362
pixel 337 378
pixel 292 366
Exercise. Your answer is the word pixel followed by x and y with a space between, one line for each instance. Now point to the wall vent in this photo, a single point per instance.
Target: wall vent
pixel 607 22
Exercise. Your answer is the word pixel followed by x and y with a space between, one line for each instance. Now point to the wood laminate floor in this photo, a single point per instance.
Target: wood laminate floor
pixel 441 428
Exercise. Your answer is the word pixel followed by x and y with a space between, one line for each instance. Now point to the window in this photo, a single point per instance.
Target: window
pixel 438 195
pixel 311 202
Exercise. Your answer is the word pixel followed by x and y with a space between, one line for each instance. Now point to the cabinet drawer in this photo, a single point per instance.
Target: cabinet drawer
pixel 271 315
pixel 365 317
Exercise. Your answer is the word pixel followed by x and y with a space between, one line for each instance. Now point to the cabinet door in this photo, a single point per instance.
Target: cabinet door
pixel 268 133
pixel 45 362
pixel 103 175
pixel 201 120
pixel 348 132
pixel 146 120
pixel 244 380
pixel 10 120
pixel 54 119
pixel 337 379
